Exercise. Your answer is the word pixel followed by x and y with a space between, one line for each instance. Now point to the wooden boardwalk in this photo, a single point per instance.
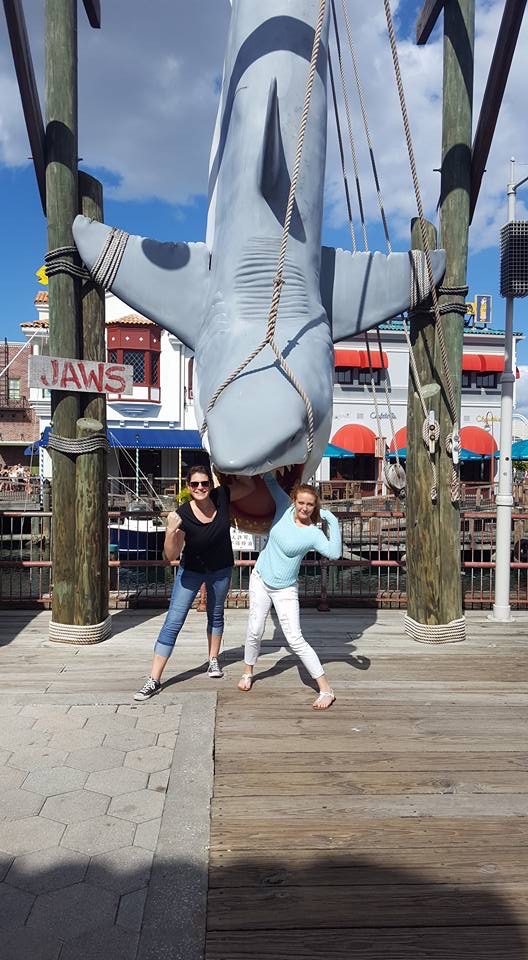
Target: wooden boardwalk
pixel 392 827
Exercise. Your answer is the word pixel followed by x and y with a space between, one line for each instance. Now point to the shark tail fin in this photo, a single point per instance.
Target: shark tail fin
pixel 362 290
pixel 165 282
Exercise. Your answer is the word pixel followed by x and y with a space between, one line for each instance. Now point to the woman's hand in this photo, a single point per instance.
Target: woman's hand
pixel 174 521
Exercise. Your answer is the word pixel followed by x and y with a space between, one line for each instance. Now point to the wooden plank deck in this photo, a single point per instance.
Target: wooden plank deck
pixel 393 827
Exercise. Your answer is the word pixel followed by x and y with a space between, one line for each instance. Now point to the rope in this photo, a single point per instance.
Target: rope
pixel 452 632
pixel 366 124
pixel 55 263
pixel 105 268
pixel 78 446
pixel 351 141
pixel 278 282
pixel 450 390
pixel 342 156
pixel 79 633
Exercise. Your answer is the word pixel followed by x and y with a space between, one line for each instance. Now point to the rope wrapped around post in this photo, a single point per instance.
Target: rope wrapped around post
pixel 453 632
pixel 80 633
pixel 78 446
pixel 55 263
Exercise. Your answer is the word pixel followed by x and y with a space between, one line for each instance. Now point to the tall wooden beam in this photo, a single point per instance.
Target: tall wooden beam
pixel 93 12
pixel 427 18
pixel 64 289
pixel 459 39
pixel 18 38
pixel 498 75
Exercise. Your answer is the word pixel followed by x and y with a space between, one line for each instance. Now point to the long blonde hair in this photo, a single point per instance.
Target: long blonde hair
pixel 307 488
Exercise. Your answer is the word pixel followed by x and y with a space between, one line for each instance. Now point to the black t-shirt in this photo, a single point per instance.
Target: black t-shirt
pixel 208 545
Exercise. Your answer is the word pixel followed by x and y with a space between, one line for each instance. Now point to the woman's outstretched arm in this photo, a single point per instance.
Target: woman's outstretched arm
pixel 330 546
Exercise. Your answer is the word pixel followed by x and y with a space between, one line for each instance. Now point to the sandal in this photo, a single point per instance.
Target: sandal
pixel 320 699
pixel 248 680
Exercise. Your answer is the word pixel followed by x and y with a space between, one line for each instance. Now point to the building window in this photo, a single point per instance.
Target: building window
pixel 486 381
pixel 352 376
pixel 112 356
pixel 136 359
pixel 154 368
pixel 466 381
pixel 14 388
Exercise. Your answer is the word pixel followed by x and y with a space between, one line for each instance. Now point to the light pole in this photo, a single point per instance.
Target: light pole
pixel 501 607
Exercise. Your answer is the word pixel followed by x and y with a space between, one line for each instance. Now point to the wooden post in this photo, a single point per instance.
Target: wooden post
pixel 91 574
pixel 92 468
pixel 64 290
pixel 423 521
pixel 459 36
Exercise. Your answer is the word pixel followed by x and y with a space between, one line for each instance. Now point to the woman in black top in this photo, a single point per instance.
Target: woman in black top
pixel 203 524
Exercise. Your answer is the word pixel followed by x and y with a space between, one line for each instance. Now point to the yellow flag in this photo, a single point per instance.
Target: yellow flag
pixel 42 276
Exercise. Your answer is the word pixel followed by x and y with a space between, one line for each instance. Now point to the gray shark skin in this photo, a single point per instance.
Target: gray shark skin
pixel 216 296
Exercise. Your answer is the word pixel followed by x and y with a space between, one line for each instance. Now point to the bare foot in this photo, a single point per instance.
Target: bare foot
pixel 245 683
pixel 324 701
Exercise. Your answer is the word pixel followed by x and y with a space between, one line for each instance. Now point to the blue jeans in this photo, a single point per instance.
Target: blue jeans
pixel 186 585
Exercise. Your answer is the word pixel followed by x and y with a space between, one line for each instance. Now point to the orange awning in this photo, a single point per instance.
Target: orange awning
pixel 478 441
pixel 360 359
pixel 401 440
pixel 356 438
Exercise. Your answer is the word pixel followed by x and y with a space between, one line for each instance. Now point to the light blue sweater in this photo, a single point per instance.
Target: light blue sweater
pixel 280 560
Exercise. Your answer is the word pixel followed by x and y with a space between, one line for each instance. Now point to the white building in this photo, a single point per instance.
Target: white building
pixel 154 428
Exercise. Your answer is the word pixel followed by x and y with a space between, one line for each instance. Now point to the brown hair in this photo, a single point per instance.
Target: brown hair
pixel 199 468
pixel 307 488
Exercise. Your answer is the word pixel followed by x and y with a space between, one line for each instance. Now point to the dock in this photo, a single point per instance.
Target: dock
pixel 238 826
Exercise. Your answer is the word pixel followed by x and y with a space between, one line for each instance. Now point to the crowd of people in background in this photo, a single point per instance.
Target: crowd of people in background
pixel 14 477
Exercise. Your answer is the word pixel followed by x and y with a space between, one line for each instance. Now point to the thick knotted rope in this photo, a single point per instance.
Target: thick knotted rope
pixel 80 633
pixel 105 268
pixel 55 263
pixel 77 446
pixel 452 632
pixel 269 339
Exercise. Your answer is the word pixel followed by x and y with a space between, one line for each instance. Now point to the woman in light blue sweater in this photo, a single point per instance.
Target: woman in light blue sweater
pixel 274 580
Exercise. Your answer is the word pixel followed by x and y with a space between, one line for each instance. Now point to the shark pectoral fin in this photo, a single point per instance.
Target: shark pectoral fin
pixel 362 290
pixel 165 282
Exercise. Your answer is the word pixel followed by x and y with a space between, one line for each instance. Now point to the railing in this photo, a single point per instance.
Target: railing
pixel 372 571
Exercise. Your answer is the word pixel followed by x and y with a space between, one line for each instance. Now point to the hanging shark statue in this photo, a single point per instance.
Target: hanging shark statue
pixel 215 296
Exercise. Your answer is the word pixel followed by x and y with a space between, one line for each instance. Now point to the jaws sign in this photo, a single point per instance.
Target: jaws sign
pixel 82 376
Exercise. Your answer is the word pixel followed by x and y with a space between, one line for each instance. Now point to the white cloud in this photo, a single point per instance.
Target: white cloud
pixel 148 94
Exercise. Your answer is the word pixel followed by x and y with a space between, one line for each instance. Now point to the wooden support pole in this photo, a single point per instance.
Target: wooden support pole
pixel 459 37
pixel 64 290
pixel 92 468
pixel 427 18
pixel 423 522
pixel 91 549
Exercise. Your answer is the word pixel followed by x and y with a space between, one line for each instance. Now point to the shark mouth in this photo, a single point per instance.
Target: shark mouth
pixel 254 513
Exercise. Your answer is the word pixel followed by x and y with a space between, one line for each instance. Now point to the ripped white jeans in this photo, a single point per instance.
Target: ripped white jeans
pixel 286 603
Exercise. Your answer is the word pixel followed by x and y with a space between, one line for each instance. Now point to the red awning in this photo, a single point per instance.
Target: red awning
pixel 472 361
pixel 360 359
pixel 401 440
pixel 348 358
pixel 356 438
pixel 477 440
pixel 492 362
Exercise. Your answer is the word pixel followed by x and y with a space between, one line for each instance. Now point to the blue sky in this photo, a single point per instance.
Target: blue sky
pixel 147 107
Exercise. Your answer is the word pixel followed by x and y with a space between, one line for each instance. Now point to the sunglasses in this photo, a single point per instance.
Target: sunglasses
pixel 194 484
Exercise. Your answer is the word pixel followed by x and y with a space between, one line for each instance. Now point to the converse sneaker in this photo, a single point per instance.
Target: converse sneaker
pixel 148 689
pixel 213 669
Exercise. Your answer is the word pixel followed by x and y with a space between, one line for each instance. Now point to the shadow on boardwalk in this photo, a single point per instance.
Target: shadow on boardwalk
pixel 342 907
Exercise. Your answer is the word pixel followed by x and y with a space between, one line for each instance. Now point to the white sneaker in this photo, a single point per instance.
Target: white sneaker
pixel 214 670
